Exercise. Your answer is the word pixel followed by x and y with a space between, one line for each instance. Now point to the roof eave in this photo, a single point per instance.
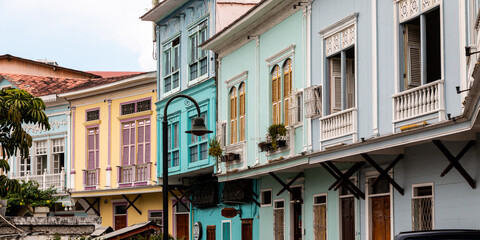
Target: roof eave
pixel 161 10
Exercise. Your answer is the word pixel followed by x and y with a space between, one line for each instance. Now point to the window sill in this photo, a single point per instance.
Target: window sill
pixel 171 92
pixel 91 123
pixel 198 163
pixel 135 115
pixel 197 80
pixel 174 169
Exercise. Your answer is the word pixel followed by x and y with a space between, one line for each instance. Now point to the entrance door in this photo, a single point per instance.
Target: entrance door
pixel 247 229
pixel 211 232
pixel 297 221
pixel 381 218
pixel 120 212
pixel 182 226
pixel 348 218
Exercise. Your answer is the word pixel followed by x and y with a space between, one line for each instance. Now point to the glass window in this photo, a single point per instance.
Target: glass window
pixel 266 197
pixel 198 147
pixel 171 59
pixel 58 155
pixel 173 144
pixel 93 115
pixel 198 64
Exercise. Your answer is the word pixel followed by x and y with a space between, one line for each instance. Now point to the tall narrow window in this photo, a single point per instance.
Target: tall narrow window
pixel 278 219
pixel 143 141
pixel 93 148
pixel 198 57
pixel 171 73
pixel 422 207
pixel 241 90
pixel 233 115
pixel 342 80
pixel 128 145
pixel 422 50
pixel 58 152
pixel 198 144
pixel 24 166
pixel 41 156
pixel 276 95
pixel 173 145
pixel 287 90
pixel 226 230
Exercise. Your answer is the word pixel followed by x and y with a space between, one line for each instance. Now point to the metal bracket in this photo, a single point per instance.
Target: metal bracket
pixel 344 179
pixel 384 172
pixel 131 203
pixel 90 205
pixel 287 186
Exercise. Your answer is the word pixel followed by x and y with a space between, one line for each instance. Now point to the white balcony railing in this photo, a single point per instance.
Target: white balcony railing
pixel 422 100
pixel 91 177
pixel 339 124
pixel 134 173
pixel 46 180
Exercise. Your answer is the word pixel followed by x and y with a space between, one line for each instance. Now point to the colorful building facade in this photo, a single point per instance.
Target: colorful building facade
pixel 113 149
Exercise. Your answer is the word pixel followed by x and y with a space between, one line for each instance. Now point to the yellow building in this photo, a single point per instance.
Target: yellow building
pixel 114 148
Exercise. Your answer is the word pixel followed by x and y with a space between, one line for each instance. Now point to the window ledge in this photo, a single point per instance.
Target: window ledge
pixel 171 92
pixel 91 123
pixel 135 115
pixel 197 80
pixel 198 163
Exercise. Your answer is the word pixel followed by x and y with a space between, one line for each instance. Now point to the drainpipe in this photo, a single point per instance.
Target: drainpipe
pixel 257 59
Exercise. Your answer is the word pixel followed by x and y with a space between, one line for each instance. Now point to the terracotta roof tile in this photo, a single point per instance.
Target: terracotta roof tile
pixel 109 74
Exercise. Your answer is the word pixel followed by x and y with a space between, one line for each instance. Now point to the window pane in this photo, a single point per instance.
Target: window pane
pixel 93 115
pixel 203 66
pixel 193 154
pixel 203 151
pixel 193 138
pixel 193 71
pixel 175 136
pixel 144 105
pixel 175 80
pixel 176 61
pixel 167 63
pixel 128 108
pixel 167 84
pixel 175 158
pixel 120 209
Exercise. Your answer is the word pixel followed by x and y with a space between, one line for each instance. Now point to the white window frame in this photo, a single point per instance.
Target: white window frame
pixel 284 215
pixel 368 216
pixel 195 32
pixel 230 222
pixel 429 184
pixel 167 47
pixel 296 110
pixel 271 197
pixel 326 207
pixel 58 149
pixel 38 154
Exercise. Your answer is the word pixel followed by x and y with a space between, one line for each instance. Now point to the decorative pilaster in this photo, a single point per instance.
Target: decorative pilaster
pixel 72 165
pixel 108 175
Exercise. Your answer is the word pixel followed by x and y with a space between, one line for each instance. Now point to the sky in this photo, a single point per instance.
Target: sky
pixel 87 35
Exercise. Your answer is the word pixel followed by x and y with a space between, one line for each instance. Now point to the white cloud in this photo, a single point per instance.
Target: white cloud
pixel 114 21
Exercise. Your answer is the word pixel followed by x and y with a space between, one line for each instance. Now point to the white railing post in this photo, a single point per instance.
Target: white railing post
pixel 62 179
pixel 44 177
pixel 28 176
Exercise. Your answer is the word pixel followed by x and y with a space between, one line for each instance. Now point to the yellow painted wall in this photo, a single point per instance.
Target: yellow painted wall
pixel 99 101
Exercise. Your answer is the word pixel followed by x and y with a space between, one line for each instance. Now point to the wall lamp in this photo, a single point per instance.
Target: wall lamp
pixel 460 91
pixel 468 51
pixel 299 4
pixel 250 37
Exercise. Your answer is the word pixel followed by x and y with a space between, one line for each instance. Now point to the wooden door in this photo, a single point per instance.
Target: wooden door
pixel 348 218
pixel 247 229
pixel 120 222
pixel 211 232
pixel 320 222
pixel 381 218
pixel 297 221
pixel 182 226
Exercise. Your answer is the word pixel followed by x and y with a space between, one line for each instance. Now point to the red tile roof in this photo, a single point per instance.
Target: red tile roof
pixel 42 86
pixel 109 74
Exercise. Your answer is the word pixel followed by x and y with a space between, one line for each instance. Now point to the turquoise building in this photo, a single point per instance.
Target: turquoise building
pixel 184 68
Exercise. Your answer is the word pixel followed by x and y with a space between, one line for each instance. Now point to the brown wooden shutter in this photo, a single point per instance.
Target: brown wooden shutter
pixel 320 222
pixel 335 85
pixel 242 112
pixel 350 74
pixel 413 60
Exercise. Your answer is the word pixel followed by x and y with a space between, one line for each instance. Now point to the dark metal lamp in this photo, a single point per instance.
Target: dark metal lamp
pixel 198 127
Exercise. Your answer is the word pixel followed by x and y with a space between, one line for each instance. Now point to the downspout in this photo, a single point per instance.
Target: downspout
pixel 257 59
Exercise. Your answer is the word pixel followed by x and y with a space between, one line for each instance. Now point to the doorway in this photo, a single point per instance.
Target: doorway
pixel 211 232
pixel 247 229
pixel 379 197
pixel 347 213
pixel 296 215
pixel 120 215
pixel 182 218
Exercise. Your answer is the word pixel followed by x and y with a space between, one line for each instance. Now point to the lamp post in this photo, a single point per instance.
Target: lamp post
pixel 198 129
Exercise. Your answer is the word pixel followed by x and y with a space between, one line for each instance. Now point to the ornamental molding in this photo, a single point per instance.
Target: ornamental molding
pixel 281 55
pixel 338 26
pixel 236 79
pixel 408 9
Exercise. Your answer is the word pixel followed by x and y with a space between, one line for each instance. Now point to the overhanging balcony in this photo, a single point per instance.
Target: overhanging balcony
pixel 134 175
pixel 46 180
pixel 425 103
pixel 339 128
pixel 91 178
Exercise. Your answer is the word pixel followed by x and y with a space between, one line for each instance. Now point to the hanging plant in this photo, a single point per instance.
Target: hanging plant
pixel 214 149
pixel 275 131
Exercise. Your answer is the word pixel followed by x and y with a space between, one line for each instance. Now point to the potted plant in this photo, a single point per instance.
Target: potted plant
pixel 275 132
pixel 264 146
pixel 214 149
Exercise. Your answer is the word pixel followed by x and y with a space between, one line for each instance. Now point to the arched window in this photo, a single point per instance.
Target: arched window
pixel 241 91
pixel 233 115
pixel 276 95
pixel 287 90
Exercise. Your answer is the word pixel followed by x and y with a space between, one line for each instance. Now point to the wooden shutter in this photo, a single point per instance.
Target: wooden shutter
pixel 278 224
pixel 233 116
pixel 140 142
pixel 287 91
pixel 242 112
pixel 91 149
pixel 335 85
pixel 147 141
pixel 413 60
pixel 320 222
pixel 276 95
pixel 125 144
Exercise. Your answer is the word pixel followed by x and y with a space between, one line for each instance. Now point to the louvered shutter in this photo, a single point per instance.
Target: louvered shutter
pixel 97 149
pixel 278 224
pixel 140 141
pixel 413 60
pixel 335 85
pixel 287 91
pixel 132 144
pixel 147 141
pixel 126 141
pixel 91 149
pixel 242 114
pixel 274 100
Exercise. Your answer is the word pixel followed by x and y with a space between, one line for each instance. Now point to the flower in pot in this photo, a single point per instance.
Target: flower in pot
pixel 214 149
pixel 275 131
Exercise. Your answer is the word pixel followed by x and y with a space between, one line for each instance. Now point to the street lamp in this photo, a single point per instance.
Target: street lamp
pixel 198 129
